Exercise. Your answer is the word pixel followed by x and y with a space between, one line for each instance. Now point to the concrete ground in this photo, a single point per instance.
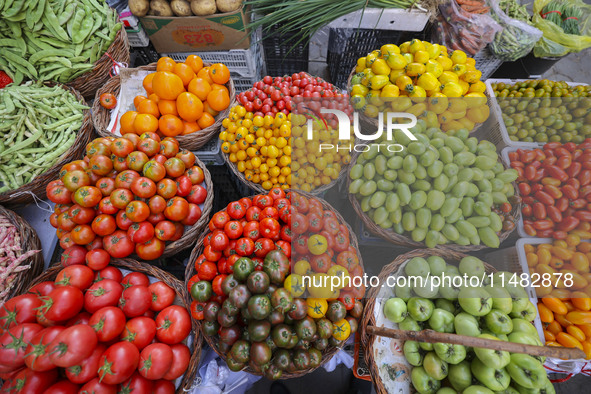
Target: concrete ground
pixel 572 68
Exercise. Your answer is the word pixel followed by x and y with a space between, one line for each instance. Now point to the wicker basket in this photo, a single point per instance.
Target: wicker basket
pixel 182 298
pixel 101 116
pixel 190 235
pixel 27 193
pixel 328 353
pixel 372 123
pixel 88 83
pixel 368 315
pixel 29 241
pixel 398 239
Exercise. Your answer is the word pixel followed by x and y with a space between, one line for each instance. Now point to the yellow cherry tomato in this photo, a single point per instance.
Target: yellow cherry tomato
pixel 317 244
pixel 294 284
pixel 317 307
pixel 341 330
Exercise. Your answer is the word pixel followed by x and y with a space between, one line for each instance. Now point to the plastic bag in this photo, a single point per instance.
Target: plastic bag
pixel 459 29
pixel 555 42
pixel 517 38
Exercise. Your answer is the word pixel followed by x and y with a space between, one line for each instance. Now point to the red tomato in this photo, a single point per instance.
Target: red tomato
pixel 219 241
pixel 43 289
pixel 79 276
pixel 173 325
pixel 245 246
pixel 193 216
pixel 263 246
pixel 253 214
pixel 140 331
pixel 20 309
pixel 29 381
pixel 135 300
pixel 95 386
pixel 164 230
pixel 270 212
pixel 181 355
pixel 141 232
pixel 72 345
pixel 177 209
pixel 220 219
pixel 233 229
pixel 109 272
pixel 285 247
pixel 143 187
pixel 163 387
pixel 136 384
pixel 162 295
pixel 236 210
pixel 155 361
pixel 63 303
pixel 13 344
pixel 105 206
pixel 217 284
pixel 157 204
pixel 270 228
pixel 207 270
pixel 150 250
pixel 81 318
pixel 81 215
pixel 88 368
pixel 262 201
pixel 135 279
pixel 118 363
pixel 118 244
pixel 108 322
pixel 87 196
pixel 108 100
pixel 103 293
pixel 63 387
pixel 97 259
pixel 183 186
pixel 137 211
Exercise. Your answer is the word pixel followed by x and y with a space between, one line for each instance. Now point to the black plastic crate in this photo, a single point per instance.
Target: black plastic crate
pixel 226 187
pixel 282 55
pixel 345 46
pixel 141 56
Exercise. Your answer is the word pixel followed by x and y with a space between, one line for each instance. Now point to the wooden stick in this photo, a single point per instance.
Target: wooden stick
pixel 512 347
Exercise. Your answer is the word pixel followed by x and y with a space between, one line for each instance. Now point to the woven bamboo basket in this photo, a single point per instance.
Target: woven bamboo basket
pixel 29 241
pixel 192 232
pixel 367 340
pixel 102 116
pixel 88 83
pixel 328 353
pixel 182 298
pixel 399 239
pixel 372 123
pixel 27 193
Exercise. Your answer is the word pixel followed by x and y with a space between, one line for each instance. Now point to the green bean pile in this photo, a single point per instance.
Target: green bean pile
pixel 38 124
pixel 54 39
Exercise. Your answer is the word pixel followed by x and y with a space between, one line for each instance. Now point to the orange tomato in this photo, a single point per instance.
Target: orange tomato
pixel 207 108
pixel 222 87
pixel 147 83
pixel 189 106
pixel 587 350
pixel 584 247
pixel 218 99
pixel 568 340
pixel 545 269
pixel 528 248
pixel 148 107
pixel 584 226
pixel 185 72
pixel 580 262
pixel 548 336
pixel 138 99
pixel 165 64
pixel 167 107
pixel 571 239
pixel 219 73
pixel 194 62
pixel 154 97
pixel 556 263
pixel 554 327
pixel 576 332
pixel 555 305
pixel 190 127
pixel 532 259
pixel 205 120
pixel 144 123
pixel 552 343
pixel 126 122
pixel 569 306
pixel 586 328
pixel 546 315
pixel 562 320
pixel 561 294
pixel 170 125
pixel 200 88
pixel 543 291
pixel 581 301
pixel 579 317
pixel 204 73
pixel 167 85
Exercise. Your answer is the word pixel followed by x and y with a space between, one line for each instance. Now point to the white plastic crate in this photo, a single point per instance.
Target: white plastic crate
pixel 513 260
pixel 138 37
pixel 500 136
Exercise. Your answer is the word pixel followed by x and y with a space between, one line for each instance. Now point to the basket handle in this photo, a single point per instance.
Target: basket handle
pixel 432 336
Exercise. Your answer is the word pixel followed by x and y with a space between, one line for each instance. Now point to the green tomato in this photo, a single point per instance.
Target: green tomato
pixel 466 324
pixel 529 313
pixel 547 388
pixel 477 390
pixel 420 309
pixel 519 305
pixel 442 321
pixel 498 322
pixel 494 379
pixel 422 382
pixel 435 367
pixel 436 265
pixel 447 288
pixel 526 371
pixel 475 300
pixel 452 270
pixel 395 310
pixel 444 304
pixel 472 266
pixel 509 390
pixel 409 324
pixel 521 325
pixel 427 346
pixel 413 353
pixel 525 338
pixel 417 266
pixel 460 376
pixel 427 288
pixel 450 353
pixel 501 298
pixel 446 390
pixel 404 292
pixel 495 359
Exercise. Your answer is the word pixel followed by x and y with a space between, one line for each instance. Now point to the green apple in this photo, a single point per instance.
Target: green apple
pixel 495 359
pixel 498 322
pixel 395 310
pixel 434 366
pixel 460 376
pixel 494 379
pixel 475 300
pixel 417 266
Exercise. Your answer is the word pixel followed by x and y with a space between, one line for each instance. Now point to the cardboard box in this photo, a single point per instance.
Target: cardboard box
pixel 217 32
